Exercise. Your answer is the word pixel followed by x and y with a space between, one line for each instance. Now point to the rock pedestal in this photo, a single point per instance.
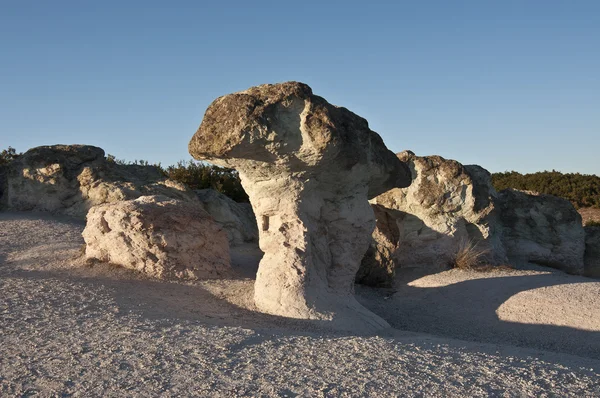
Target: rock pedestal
pixel 309 168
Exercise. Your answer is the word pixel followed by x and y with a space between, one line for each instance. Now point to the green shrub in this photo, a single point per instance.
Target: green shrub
pixel 198 175
pixel 8 155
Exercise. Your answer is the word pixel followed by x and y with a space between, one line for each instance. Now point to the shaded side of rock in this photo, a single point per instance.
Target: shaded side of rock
pixel 237 219
pixel 309 168
pixel 541 229
pixel 3 185
pixel 592 252
pixel 159 236
pixel 69 179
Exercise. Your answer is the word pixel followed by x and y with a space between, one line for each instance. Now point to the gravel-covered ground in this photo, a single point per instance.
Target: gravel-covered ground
pixel 70 330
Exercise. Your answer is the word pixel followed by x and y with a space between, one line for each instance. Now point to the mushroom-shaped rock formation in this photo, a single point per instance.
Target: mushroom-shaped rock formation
pixel 309 168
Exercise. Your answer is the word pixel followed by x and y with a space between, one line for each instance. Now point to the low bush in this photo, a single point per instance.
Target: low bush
pixel 468 255
pixel 198 175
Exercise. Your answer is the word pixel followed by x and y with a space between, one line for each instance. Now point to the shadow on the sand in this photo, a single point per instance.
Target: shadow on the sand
pixel 467 310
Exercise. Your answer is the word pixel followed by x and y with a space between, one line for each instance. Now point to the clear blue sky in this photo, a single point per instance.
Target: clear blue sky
pixel 509 85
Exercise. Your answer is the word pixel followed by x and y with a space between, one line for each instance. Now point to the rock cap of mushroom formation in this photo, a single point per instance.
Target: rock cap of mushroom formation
pixel 308 168
pixel 286 122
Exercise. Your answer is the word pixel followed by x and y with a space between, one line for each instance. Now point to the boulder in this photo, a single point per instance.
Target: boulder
pixel 159 236
pixel 592 251
pixel 69 179
pixel 309 168
pixel 541 229
pixel 425 224
pixel 237 219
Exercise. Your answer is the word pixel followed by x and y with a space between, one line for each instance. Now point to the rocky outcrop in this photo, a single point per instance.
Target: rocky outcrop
pixel 450 206
pixel 592 252
pixel 69 179
pixel 309 168
pixel 237 219
pixel 541 229
pixel 159 236
pixel 425 224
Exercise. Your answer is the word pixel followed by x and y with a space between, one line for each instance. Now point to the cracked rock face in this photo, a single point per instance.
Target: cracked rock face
pixel 309 168
pixel 162 237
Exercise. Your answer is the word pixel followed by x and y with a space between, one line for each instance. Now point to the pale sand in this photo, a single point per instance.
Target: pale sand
pixel 70 330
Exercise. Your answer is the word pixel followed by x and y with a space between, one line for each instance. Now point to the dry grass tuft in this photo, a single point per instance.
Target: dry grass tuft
pixel 468 255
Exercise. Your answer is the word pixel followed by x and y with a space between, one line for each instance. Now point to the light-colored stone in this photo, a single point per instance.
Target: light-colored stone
pixel 237 219
pixel 541 229
pixel 424 225
pixel 449 205
pixel 592 252
pixel 162 237
pixel 309 168
pixel 69 179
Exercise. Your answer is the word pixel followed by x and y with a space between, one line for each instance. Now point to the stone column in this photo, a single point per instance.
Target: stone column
pixel 309 169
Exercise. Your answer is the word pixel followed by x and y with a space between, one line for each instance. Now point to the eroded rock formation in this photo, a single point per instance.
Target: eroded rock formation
pixel 542 229
pixel 69 179
pixel 449 205
pixel 162 237
pixel 237 219
pixel 425 224
pixel 309 168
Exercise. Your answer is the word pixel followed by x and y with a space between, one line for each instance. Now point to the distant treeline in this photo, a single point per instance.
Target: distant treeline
pixel 583 190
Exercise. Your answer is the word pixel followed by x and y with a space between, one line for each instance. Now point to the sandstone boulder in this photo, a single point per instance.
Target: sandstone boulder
pixel 541 229
pixel 592 252
pixel 309 168
pixel 425 224
pixel 69 179
pixel 237 219
pixel 162 237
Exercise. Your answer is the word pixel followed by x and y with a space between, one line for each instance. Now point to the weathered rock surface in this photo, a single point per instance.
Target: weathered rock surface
pixel 237 219
pixel 425 224
pixel 541 229
pixel 592 252
pixel 309 168
pixel 69 179
pixel 162 237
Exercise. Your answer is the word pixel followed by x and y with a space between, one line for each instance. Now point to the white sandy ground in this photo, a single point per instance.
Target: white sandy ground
pixel 67 329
